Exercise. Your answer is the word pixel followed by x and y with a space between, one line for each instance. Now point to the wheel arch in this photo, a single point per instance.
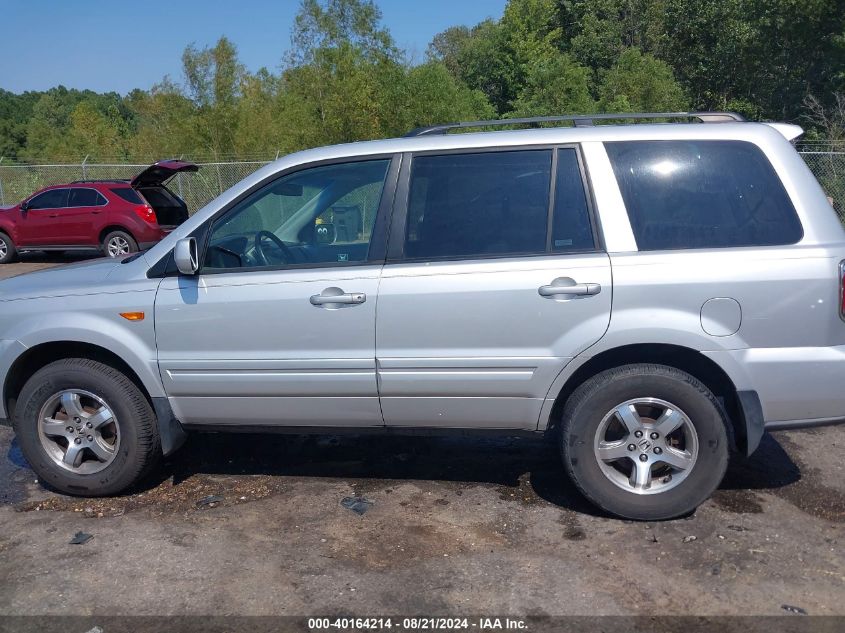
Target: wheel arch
pixel 115 227
pixel 8 230
pixel 685 359
pixel 38 356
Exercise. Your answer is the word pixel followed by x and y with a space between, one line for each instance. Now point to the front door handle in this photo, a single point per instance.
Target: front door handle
pixel 567 286
pixel 334 298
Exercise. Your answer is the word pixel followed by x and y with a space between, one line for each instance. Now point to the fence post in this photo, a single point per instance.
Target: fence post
pixel 84 174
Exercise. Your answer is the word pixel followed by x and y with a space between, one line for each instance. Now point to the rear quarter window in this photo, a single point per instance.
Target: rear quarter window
pixel 130 195
pixel 702 194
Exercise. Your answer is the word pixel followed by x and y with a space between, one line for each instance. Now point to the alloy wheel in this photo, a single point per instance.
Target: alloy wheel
pixel 79 431
pixel 117 246
pixel 646 446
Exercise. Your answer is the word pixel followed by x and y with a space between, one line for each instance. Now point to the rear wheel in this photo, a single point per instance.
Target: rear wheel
pixel 8 252
pixel 645 442
pixel 119 243
pixel 85 428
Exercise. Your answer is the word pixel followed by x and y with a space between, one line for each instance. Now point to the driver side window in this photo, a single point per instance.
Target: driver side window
pixel 314 216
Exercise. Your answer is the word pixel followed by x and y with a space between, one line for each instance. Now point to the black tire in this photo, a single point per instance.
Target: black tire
pixel 139 449
pixel 7 245
pixel 119 235
pixel 587 407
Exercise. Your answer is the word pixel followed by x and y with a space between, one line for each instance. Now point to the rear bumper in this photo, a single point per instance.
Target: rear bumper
pixel 153 236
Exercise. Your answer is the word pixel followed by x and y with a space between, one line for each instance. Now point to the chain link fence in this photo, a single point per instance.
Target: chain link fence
pixel 829 170
pixel 197 189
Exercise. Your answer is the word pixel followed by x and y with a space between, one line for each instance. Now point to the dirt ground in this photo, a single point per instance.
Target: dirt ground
pixel 254 524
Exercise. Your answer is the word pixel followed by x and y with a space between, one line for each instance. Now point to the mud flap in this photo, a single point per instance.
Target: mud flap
pixel 169 428
pixel 750 431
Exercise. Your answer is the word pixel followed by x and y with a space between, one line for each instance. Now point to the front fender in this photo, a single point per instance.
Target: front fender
pixel 9 229
pixel 94 320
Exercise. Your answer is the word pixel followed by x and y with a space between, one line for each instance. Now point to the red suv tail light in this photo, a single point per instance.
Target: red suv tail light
pixel 146 213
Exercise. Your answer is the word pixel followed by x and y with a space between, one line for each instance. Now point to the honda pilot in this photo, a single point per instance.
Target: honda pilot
pixel 653 296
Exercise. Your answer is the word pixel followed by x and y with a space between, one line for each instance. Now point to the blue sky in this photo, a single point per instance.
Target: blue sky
pixel 119 45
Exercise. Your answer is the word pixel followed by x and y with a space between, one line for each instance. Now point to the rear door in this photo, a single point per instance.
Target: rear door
pixel 494 282
pixel 40 224
pixel 85 207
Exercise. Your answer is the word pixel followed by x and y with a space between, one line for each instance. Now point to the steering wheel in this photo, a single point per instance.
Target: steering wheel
pixel 287 256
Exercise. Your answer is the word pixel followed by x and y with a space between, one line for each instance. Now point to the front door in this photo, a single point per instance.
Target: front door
pixel 40 223
pixel 278 328
pixel 494 283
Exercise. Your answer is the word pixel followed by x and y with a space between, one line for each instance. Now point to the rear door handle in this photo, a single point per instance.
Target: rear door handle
pixel 558 287
pixel 336 298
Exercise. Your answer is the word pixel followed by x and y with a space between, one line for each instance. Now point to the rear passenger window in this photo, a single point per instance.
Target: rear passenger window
pixel 484 204
pixel 83 197
pixel 702 194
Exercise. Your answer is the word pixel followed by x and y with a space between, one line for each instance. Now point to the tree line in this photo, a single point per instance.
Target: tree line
pixel 345 79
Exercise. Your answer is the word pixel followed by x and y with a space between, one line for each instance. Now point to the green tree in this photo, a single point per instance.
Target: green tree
pixel 335 23
pixel 531 33
pixel 557 85
pixel 761 58
pixel 214 79
pixel 102 134
pixel 166 121
pixel 596 32
pixel 48 124
pixel 260 118
pixel 15 111
pixel 640 83
pixel 482 59
pixel 429 94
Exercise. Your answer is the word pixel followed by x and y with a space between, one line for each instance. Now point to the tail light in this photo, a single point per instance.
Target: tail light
pixel 842 290
pixel 146 213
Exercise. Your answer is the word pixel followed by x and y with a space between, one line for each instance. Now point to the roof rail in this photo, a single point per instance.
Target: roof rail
pixel 580 120
pixel 91 180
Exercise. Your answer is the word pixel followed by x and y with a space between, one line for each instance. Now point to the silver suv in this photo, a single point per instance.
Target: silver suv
pixel 653 296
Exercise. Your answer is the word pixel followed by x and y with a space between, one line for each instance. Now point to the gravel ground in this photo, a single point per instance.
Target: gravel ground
pixel 253 524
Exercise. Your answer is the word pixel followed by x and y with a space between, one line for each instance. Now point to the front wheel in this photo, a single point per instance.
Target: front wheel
pixel 119 243
pixel 8 253
pixel 645 442
pixel 85 428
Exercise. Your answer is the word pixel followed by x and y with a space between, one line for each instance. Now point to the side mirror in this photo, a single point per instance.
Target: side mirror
pixel 186 256
pixel 24 206
pixel 325 234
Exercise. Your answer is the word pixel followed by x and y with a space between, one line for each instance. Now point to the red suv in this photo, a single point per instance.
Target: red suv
pixel 116 216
